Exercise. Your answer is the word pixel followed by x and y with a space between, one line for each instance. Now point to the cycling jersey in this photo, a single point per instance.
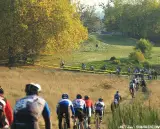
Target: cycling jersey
pixel 7 111
pixel 28 110
pixel 132 85
pixel 80 108
pixel 117 96
pixel 64 104
pixel 63 108
pixel 79 104
pixel 89 107
pixel 99 106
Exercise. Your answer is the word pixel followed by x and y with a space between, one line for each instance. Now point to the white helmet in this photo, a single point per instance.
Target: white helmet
pixel 32 87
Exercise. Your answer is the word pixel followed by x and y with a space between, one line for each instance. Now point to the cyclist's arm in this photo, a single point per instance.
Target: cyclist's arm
pixel 72 109
pixel 46 115
pixel 9 113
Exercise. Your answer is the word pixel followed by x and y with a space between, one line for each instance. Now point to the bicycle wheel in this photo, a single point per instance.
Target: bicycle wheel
pixel 64 126
pixel 85 123
pixel 97 122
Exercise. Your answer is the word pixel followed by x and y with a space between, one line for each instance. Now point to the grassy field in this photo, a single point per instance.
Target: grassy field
pixel 55 83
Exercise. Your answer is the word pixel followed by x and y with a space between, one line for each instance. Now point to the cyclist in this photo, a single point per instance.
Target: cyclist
pixel 89 108
pixel 132 88
pixel 117 97
pixel 80 109
pixel 6 115
pixel 28 109
pixel 99 108
pixel 63 108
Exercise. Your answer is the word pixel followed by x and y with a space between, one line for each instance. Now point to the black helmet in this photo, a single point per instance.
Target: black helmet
pixel 65 96
pixel 32 88
pixel 79 96
pixel 1 90
pixel 117 91
pixel 86 97
pixel 100 99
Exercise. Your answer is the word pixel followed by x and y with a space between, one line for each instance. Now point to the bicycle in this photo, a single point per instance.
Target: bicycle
pixel 76 124
pixel 64 126
pixel 97 122
pixel 85 123
pixel 132 92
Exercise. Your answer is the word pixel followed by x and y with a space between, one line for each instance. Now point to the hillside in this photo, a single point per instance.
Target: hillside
pixel 55 83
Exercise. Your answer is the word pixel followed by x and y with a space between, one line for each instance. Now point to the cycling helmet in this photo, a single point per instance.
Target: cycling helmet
pixel 117 92
pixel 32 88
pixel 1 90
pixel 86 97
pixel 100 99
pixel 79 96
pixel 65 96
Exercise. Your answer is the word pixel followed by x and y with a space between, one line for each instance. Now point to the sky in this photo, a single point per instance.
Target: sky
pixel 95 2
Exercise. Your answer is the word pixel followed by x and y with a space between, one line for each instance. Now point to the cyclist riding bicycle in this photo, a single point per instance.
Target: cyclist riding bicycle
pixel 89 108
pixel 80 109
pixel 117 97
pixel 63 109
pixel 99 108
pixel 28 110
pixel 132 87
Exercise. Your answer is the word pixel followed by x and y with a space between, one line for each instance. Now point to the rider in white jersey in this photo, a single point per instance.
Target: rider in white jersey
pixel 28 110
pixel 99 108
pixel 80 108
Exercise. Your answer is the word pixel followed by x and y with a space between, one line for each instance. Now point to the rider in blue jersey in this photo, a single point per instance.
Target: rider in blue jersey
pixel 28 109
pixel 63 109
pixel 117 97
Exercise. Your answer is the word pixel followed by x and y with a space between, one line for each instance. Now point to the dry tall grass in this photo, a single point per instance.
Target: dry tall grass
pixel 56 83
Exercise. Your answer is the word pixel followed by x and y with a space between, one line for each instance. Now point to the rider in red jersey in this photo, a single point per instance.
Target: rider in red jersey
pixel 8 115
pixel 89 108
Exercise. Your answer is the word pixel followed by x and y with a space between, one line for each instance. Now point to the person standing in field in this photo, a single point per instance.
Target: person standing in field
pixel 28 109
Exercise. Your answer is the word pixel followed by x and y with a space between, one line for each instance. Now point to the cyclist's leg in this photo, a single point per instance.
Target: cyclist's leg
pixel 68 119
pixel 89 116
pixel 81 119
pixel 100 115
pixel 60 121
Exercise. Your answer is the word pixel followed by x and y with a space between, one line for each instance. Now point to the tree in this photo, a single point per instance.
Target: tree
pixel 145 47
pixel 35 25
pixel 135 18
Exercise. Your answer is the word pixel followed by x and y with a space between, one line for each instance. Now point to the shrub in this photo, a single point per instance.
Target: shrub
pixel 116 62
pixel 145 47
pixel 137 56
pixel 146 64
pixel 112 58
pixel 92 38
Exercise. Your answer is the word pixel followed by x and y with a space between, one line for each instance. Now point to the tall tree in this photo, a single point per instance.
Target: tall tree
pixel 37 24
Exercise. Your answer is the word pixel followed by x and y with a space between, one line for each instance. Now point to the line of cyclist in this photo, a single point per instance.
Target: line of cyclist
pixel 80 109
pixel 28 109
pixel 135 83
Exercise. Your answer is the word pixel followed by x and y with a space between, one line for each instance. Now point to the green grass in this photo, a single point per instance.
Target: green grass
pixel 108 46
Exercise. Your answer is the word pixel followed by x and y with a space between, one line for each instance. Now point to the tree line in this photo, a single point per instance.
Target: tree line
pixel 134 18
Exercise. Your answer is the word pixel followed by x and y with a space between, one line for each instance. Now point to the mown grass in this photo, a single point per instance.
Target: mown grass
pixel 108 46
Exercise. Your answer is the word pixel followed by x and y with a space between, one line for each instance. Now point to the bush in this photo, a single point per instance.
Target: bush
pixel 137 56
pixel 145 47
pixel 112 58
pixel 116 62
pixel 146 64
pixel 92 38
